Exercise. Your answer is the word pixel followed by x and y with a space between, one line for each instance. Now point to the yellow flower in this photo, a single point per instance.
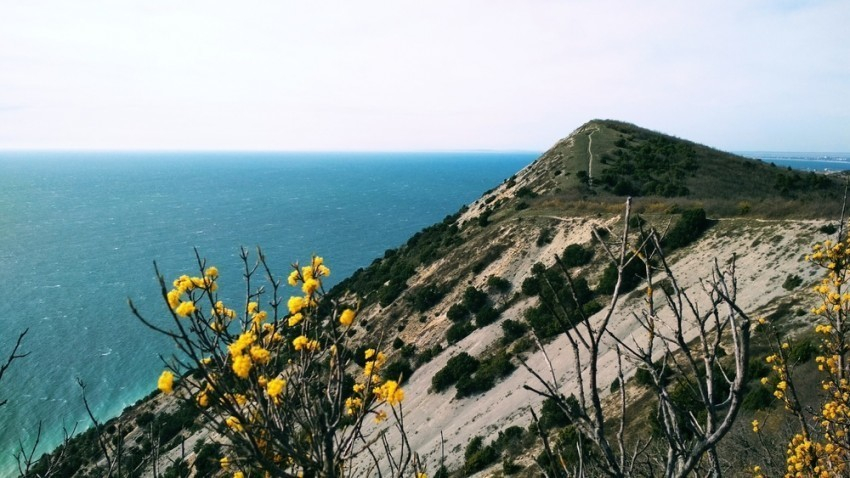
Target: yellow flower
pixel 166 382
pixel 203 400
pixel 293 278
pixel 295 319
pixel 234 424
pixel 260 355
pixel 242 366
pixel 173 298
pixel 185 308
pixel 390 392
pixel 347 317
pixel 324 271
pixel 253 307
pixel 755 426
pixel 238 474
pixel 380 416
pixel 211 272
pixel 352 405
pixel 421 475
pixel 275 387
pixel 300 342
pixel 310 286
pixel 225 463
pixel 260 317
pixel 243 342
pixel 295 304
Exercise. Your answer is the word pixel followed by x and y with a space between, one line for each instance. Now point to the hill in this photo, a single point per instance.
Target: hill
pixel 461 304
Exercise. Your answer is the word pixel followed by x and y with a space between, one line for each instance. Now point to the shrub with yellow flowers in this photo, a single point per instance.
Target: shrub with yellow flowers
pixel 278 379
pixel 821 445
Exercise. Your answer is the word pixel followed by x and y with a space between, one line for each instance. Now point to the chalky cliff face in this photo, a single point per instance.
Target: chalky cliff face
pixel 457 309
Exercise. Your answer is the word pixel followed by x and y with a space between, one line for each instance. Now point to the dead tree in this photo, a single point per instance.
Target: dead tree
pixel 699 348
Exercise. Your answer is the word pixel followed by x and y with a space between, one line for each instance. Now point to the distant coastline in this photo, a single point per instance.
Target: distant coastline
pixel 823 162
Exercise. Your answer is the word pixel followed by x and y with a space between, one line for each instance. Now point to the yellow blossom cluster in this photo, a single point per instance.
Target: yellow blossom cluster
pixel 822 447
pixel 179 298
pixel 389 392
pixel 166 382
pixel 257 372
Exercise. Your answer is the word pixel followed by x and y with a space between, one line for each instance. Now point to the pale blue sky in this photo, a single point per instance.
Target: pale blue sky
pixel 419 75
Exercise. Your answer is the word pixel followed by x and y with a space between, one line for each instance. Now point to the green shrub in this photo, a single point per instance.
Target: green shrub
pixel 458 331
pixel 461 365
pixel 525 192
pixel 633 274
pixel 498 284
pixel 531 286
pixel 484 218
pixel 428 354
pixel 688 228
pixel 474 299
pixel 553 416
pixel 207 460
pixel 486 316
pixel 828 229
pixel 145 419
pixel 792 282
pixel 457 312
pixel 509 467
pixel 478 457
pixel 390 292
pixel 757 368
pixel 802 351
pixel 408 351
pixel 576 255
pixel 426 297
pixel 759 398
pixel 512 330
pixel 545 237
pixel 399 368
pixel 542 322
pixel 644 377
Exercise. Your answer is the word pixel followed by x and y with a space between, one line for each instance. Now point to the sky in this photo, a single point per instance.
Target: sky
pixel 400 75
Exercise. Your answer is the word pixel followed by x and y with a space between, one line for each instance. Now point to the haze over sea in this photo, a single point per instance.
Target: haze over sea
pixel 79 232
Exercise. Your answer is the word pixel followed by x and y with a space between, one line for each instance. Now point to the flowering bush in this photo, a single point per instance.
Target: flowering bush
pixel 277 377
pixel 821 446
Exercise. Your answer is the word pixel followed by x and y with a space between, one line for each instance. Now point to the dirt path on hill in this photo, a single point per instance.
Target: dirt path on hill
pixel 590 159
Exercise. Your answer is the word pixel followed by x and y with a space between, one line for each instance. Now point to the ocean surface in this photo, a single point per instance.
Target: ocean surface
pixel 79 233
pixel 818 162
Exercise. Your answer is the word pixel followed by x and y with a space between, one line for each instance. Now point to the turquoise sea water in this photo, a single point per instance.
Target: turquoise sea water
pixel 79 232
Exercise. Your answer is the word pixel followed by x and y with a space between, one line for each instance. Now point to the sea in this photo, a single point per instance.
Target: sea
pixel 79 234
pixel 80 231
